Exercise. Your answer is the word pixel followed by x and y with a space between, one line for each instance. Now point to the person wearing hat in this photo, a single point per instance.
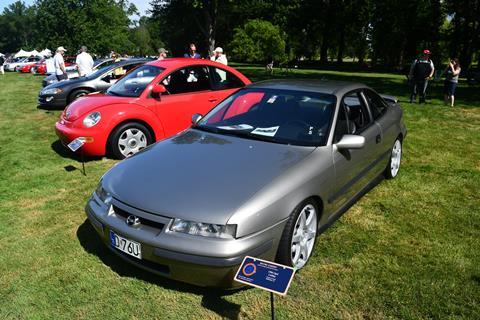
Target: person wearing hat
pixel 421 71
pixel 84 62
pixel 59 64
pixel 162 53
pixel 218 56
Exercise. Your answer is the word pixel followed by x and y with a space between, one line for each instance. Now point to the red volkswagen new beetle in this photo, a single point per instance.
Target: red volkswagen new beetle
pixel 152 102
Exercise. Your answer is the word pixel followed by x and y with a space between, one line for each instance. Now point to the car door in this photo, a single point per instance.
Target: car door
pixel 353 167
pixel 385 117
pixel 188 92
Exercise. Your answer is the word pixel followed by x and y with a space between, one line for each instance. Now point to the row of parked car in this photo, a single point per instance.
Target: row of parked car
pixel 239 168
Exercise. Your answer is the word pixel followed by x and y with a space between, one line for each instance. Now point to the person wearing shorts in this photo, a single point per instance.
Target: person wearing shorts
pixel 451 80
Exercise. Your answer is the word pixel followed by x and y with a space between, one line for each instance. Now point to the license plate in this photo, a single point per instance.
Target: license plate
pixel 125 245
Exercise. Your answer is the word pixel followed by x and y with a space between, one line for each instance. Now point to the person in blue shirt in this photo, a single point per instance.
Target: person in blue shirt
pixel 192 52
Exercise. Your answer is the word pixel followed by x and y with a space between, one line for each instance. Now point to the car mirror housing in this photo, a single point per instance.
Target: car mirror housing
pixel 159 89
pixel 350 141
pixel 195 118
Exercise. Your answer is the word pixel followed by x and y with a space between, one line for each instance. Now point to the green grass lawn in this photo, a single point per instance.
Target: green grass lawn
pixel 409 249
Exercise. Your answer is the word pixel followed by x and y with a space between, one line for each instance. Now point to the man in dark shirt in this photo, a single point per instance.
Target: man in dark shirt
pixel 421 71
pixel 2 61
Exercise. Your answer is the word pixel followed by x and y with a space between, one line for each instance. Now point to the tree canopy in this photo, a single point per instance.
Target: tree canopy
pixel 386 32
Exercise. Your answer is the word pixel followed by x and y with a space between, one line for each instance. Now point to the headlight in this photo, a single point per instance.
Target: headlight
pixel 103 194
pixel 204 229
pixel 92 119
pixel 52 91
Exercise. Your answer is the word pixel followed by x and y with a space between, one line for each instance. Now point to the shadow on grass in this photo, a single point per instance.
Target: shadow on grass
pixel 50 108
pixel 64 152
pixel 212 298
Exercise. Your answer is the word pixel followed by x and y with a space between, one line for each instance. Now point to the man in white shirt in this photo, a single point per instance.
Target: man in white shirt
pixel 218 56
pixel 84 62
pixel 59 64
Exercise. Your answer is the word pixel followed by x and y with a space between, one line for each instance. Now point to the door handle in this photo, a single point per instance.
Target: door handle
pixel 378 138
pixel 212 99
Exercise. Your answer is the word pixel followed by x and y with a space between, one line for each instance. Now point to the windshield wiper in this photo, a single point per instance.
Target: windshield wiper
pixel 238 133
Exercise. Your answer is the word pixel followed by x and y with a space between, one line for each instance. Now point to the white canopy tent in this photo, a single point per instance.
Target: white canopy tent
pixel 45 53
pixel 23 53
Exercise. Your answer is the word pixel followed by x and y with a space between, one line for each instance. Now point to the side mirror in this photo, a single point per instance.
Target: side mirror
pixel 195 118
pixel 159 89
pixel 350 141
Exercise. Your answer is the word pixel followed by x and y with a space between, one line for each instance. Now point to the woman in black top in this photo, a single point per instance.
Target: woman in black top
pixel 451 80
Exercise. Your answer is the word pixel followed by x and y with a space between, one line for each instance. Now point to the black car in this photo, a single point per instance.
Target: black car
pixel 72 72
pixel 61 93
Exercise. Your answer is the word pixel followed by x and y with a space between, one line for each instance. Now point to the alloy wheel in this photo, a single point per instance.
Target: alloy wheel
pixel 131 141
pixel 395 158
pixel 304 235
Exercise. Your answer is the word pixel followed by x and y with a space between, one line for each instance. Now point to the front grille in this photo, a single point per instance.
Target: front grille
pixel 146 222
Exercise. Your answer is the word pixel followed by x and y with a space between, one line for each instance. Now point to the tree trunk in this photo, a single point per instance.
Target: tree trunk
pixel 341 45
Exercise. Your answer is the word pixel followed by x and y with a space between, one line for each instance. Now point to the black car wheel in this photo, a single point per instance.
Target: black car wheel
pixel 77 94
pixel 128 139
pixel 299 236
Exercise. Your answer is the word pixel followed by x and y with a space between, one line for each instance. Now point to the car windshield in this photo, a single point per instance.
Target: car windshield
pixel 98 73
pixel 279 116
pixel 133 84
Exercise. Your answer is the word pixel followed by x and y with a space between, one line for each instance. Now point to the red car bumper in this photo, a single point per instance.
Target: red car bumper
pixel 97 140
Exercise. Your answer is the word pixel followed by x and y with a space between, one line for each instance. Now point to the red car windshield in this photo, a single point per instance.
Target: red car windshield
pixel 280 116
pixel 133 83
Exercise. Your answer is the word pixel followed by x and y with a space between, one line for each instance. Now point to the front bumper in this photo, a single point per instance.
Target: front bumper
pixel 67 132
pixel 52 101
pixel 196 260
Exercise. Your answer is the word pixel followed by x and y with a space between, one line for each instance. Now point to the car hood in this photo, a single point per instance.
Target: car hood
pixel 90 103
pixel 199 176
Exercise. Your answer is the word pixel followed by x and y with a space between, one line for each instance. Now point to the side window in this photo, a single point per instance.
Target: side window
pixel 356 112
pixel 222 79
pixel 342 124
pixel 377 106
pixel 189 79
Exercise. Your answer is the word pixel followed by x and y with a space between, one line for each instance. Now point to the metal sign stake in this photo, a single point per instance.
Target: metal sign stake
pixel 83 162
pixel 272 306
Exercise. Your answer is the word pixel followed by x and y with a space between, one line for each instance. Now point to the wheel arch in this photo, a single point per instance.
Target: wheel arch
pixel 72 91
pixel 130 120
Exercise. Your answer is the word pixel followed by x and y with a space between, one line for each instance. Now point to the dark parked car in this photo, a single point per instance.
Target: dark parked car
pixel 72 72
pixel 61 93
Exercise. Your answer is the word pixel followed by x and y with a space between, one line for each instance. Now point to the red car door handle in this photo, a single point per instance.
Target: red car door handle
pixel 212 99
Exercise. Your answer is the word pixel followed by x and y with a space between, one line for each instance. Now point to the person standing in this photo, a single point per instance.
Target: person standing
pixel 421 71
pixel 59 64
pixel 192 52
pixel 2 61
pixel 451 80
pixel 84 62
pixel 162 53
pixel 218 56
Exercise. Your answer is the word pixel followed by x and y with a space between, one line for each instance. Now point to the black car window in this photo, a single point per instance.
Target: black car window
pixel 222 79
pixel 377 106
pixel 356 112
pixel 190 79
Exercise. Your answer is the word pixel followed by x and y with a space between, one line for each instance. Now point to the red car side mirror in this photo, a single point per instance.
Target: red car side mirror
pixel 159 89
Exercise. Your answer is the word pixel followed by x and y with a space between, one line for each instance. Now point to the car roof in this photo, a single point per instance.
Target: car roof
pixel 310 85
pixel 173 63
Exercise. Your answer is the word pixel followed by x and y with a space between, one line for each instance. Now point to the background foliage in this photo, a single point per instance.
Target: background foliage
pixel 389 33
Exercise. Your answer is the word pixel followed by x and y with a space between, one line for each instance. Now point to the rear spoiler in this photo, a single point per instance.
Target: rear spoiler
pixel 389 99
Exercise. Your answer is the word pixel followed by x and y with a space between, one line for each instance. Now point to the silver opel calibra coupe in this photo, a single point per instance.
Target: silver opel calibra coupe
pixel 261 174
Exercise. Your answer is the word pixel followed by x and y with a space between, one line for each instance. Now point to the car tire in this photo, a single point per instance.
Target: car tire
pixel 299 236
pixel 128 139
pixel 391 171
pixel 77 94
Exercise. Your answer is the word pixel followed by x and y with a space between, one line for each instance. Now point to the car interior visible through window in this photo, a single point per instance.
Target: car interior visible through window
pixel 282 116
pixel 191 79
pixel 356 112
